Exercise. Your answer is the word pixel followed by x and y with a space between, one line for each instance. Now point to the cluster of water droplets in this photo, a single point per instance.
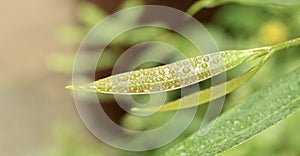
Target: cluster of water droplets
pixel 171 76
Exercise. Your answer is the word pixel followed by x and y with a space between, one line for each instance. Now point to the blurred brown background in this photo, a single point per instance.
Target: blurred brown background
pixel 32 98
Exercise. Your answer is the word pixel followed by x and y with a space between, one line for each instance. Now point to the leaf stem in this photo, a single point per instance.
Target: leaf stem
pixel 197 6
pixel 286 44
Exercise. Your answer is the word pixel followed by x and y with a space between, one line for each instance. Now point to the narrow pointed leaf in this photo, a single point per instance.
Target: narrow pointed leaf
pixel 179 74
pixel 231 85
pixel 261 110
pixel 171 76
pixel 206 95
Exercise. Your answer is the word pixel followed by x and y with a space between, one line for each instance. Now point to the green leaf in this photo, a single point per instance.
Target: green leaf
pixel 178 74
pixel 206 95
pixel 261 110
pixel 231 85
pixel 264 2
pixel 131 3
pixel 213 3
pixel 89 14
pixel 171 76
pixel 60 62
pixel 197 6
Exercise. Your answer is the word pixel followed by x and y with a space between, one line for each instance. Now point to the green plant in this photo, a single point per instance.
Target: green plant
pixel 258 112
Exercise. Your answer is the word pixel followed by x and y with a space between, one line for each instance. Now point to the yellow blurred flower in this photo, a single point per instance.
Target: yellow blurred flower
pixel 272 32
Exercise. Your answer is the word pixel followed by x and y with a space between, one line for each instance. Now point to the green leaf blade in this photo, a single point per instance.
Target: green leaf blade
pixel 260 111
pixel 171 76
pixel 206 95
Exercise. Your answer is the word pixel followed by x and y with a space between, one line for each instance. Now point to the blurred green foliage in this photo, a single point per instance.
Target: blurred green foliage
pixel 234 26
pixel 70 141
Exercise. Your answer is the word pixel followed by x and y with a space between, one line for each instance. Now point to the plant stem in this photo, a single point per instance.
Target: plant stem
pixel 286 44
pixel 274 48
pixel 197 6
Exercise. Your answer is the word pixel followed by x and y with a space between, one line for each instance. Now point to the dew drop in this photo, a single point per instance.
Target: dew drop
pixel 146 72
pixel 216 61
pixel 186 70
pixel 137 74
pixel 132 77
pixel 101 83
pixel 123 78
pixel 161 72
pixel 205 58
pixel 171 71
pixel 204 65
pixel 224 54
pixel 158 79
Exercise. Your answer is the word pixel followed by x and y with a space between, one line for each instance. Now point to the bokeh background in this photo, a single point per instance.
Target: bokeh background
pixel 39 40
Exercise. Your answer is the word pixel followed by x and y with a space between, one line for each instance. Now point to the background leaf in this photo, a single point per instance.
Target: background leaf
pixel 260 111
pixel 263 2
pixel 213 3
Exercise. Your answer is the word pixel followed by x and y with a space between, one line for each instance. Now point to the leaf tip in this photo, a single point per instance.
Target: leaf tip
pixel 74 87
pixel 70 87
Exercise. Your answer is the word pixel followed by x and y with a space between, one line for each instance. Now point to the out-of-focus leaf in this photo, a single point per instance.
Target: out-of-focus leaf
pixel 197 6
pixel 134 36
pixel 64 143
pixel 89 14
pixel 161 35
pixel 60 62
pixel 224 18
pixel 213 3
pixel 147 122
pixel 71 34
pixel 131 3
pixel 260 111
pixel 264 2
